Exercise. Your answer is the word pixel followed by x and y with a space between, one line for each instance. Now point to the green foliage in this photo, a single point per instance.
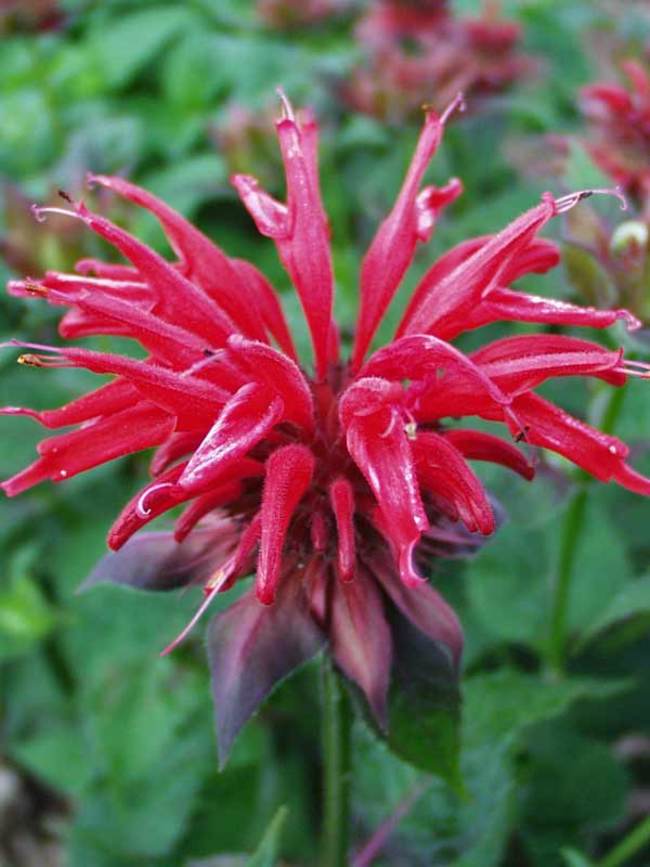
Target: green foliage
pixel 524 771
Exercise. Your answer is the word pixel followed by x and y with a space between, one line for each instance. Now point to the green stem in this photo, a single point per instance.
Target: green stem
pixel 573 524
pixel 571 532
pixel 336 770
pixel 630 845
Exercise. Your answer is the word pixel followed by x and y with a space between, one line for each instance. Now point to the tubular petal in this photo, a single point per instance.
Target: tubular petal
pixel 518 364
pixel 462 288
pixel 279 374
pixel 505 305
pixel 103 440
pixel 480 446
pixel 391 251
pixel 381 450
pixel 441 468
pixel 288 474
pixel 201 260
pixel 342 501
pixel 110 398
pixel 299 228
pixel 599 454
pixel 247 418
pixel 179 300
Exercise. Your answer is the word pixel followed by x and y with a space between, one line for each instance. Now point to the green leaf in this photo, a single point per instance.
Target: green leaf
pixel 267 852
pixel 507 585
pixel 189 183
pixel 633 600
pixel 126 43
pixel 25 615
pixel 502 704
pixel 57 755
pixel 424 702
pixel 575 786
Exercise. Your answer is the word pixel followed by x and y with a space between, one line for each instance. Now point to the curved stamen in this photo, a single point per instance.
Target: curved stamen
pixel 565 203
pixel 40 213
pixel 141 510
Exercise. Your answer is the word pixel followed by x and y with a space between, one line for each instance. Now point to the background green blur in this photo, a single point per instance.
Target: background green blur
pixel 107 754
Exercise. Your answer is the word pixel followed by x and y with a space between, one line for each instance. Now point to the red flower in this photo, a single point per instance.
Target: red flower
pixel 334 486
pixel 417 52
pixel 620 121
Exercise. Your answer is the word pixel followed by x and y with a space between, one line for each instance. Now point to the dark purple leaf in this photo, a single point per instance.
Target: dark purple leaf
pixel 251 648
pixel 425 608
pixel 155 561
pixel 361 642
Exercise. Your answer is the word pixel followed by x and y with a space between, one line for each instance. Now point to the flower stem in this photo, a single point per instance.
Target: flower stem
pixel 630 845
pixel 336 770
pixel 571 533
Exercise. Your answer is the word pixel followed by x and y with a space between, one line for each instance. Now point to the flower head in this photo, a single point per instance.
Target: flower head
pixel 620 127
pixel 418 52
pixel 331 485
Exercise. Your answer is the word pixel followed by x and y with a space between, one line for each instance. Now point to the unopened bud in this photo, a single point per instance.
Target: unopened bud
pixel 632 235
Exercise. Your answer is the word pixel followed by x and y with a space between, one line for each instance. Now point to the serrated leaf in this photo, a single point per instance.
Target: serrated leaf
pixel 502 704
pixel 267 852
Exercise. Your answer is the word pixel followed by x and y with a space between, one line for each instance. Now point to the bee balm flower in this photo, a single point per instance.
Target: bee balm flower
pixel 334 485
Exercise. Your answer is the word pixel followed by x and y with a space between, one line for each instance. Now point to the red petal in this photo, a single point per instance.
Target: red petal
pixel 179 300
pixel 246 419
pixel 342 502
pixel 299 228
pixel 204 504
pixel 201 260
pixel 288 475
pixel 599 454
pixel 447 382
pixel 518 364
pixel 380 448
pixel 392 248
pixel 171 343
pixel 504 304
pixel 480 446
pixel 279 374
pixel 110 398
pixel 268 304
pixel 361 642
pixel 193 401
pixel 442 469
pixel 453 297
pixel 122 433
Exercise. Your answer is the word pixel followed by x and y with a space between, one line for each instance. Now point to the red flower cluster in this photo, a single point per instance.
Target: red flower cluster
pixel 288 14
pixel 333 486
pixel 419 53
pixel 620 128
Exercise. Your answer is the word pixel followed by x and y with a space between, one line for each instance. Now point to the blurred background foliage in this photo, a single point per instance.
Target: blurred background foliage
pixel 107 754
